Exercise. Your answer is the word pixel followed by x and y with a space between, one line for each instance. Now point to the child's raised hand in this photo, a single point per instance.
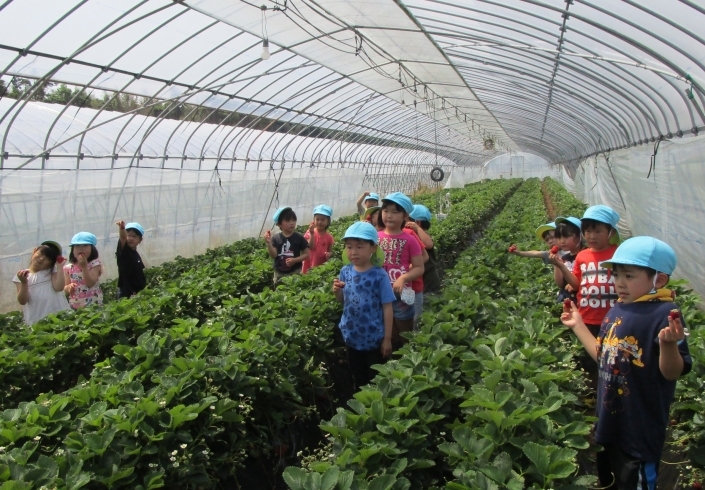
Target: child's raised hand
pixel 386 348
pixel 81 260
pixel 60 259
pixel 366 193
pixel 268 236
pixel 570 317
pixel 674 332
pixel 23 275
pixel 338 285
pixel 312 227
pixel 121 224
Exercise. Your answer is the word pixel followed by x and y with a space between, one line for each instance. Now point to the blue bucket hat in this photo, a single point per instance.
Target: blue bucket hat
pixel 135 226
pixel 402 200
pixel 84 238
pixel 324 210
pixel 421 213
pixel 570 219
pixel 363 231
pixel 644 251
pixel 372 197
pixel 607 215
pixel 278 213
pixel 543 229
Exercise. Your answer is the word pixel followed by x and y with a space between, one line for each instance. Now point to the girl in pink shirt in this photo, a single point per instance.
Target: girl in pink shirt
pixel 320 242
pixel 82 274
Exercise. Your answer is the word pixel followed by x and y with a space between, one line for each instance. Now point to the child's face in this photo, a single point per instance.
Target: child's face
pixel 359 252
pixel 39 261
pixel 598 236
pixel 288 226
pixel 320 221
pixel 633 282
pixel 569 242
pixel 393 218
pixel 549 238
pixel 133 239
pixel 84 250
pixel 370 203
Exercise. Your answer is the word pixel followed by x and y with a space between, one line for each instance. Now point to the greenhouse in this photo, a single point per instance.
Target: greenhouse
pixel 183 133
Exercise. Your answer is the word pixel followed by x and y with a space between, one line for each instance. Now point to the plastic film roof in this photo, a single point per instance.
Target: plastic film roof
pixel 463 79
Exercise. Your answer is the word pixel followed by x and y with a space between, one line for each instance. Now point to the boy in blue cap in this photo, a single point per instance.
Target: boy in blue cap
pixel 367 296
pixel 592 282
pixel 641 351
pixel 288 248
pixel 131 278
pixel 366 201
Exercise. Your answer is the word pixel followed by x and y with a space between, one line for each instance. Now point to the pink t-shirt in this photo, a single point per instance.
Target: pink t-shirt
pixel 317 255
pixel 83 295
pixel 398 251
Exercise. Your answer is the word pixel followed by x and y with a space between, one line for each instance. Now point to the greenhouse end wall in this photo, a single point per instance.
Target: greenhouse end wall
pixel 665 200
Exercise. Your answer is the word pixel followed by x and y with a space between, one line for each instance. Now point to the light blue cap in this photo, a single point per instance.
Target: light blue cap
pixel 644 251
pixel 570 219
pixel 604 214
pixel 135 226
pixel 324 210
pixel 402 200
pixel 543 229
pixel 363 231
pixel 372 197
pixel 84 238
pixel 278 213
pixel 421 213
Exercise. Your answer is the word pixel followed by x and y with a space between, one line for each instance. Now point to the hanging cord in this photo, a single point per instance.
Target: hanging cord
pixel 619 192
pixel 275 195
pixel 652 166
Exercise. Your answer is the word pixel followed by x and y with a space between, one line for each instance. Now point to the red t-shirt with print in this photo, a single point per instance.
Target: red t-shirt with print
pixel 596 293
pixel 416 284
pixel 317 253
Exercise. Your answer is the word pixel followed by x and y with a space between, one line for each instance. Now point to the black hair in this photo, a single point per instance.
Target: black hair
pixel 327 217
pixel 287 215
pixel 649 271
pixel 135 230
pixel 386 204
pixel 425 225
pixel 50 252
pixel 345 240
pixel 566 229
pixel 588 224
pixel 543 235
pixel 92 256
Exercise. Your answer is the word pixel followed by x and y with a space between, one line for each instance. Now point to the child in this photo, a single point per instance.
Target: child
pixel 431 280
pixel 593 282
pixel 320 242
pixel 82 273
pixel 403 261
pixel 131 278
pixel 570 240
pixel 374 217
pixel 546 233
pixel 366 201
pixel 367 296
pixel 288 248
pixel 40 289
pixel 641 352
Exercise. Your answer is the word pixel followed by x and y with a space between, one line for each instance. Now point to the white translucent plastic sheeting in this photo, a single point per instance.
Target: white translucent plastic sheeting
pixel 184 212
pixel 507 166
pixel 668 205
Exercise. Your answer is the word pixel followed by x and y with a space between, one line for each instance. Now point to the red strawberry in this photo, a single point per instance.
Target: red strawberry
pixel 554 249
pixel 512 248
pixel 697 485
pixel 567 304
pixel 674 314
pixel 60 259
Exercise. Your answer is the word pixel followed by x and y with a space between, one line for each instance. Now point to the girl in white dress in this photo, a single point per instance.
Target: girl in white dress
pixel 40 289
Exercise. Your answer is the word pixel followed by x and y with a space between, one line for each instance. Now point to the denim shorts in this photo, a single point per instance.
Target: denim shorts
pixel 402 311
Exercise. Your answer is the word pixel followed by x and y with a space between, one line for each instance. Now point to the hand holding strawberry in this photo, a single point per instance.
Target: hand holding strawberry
pixel 674 332
pixel 554 249
pixel 512 249
pixel 23 275
pixel 60 259
pixel 570 317
pixel 338 285
pixel 268 236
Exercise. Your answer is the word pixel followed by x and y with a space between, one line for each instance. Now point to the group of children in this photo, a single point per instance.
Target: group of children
pixel 615 301
pixel 44 288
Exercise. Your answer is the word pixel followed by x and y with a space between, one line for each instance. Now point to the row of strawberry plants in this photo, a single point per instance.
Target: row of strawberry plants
pixel 687 412
pixel 482 397
pixel 189 401
pixel 53 353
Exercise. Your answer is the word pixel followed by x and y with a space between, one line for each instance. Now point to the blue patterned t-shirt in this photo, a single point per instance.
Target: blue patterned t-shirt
pixel 364 294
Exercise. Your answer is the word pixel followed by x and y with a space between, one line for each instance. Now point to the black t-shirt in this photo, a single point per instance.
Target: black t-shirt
pixel 568 260
pixel 131 278
pixel 287 248
pixel 633 397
